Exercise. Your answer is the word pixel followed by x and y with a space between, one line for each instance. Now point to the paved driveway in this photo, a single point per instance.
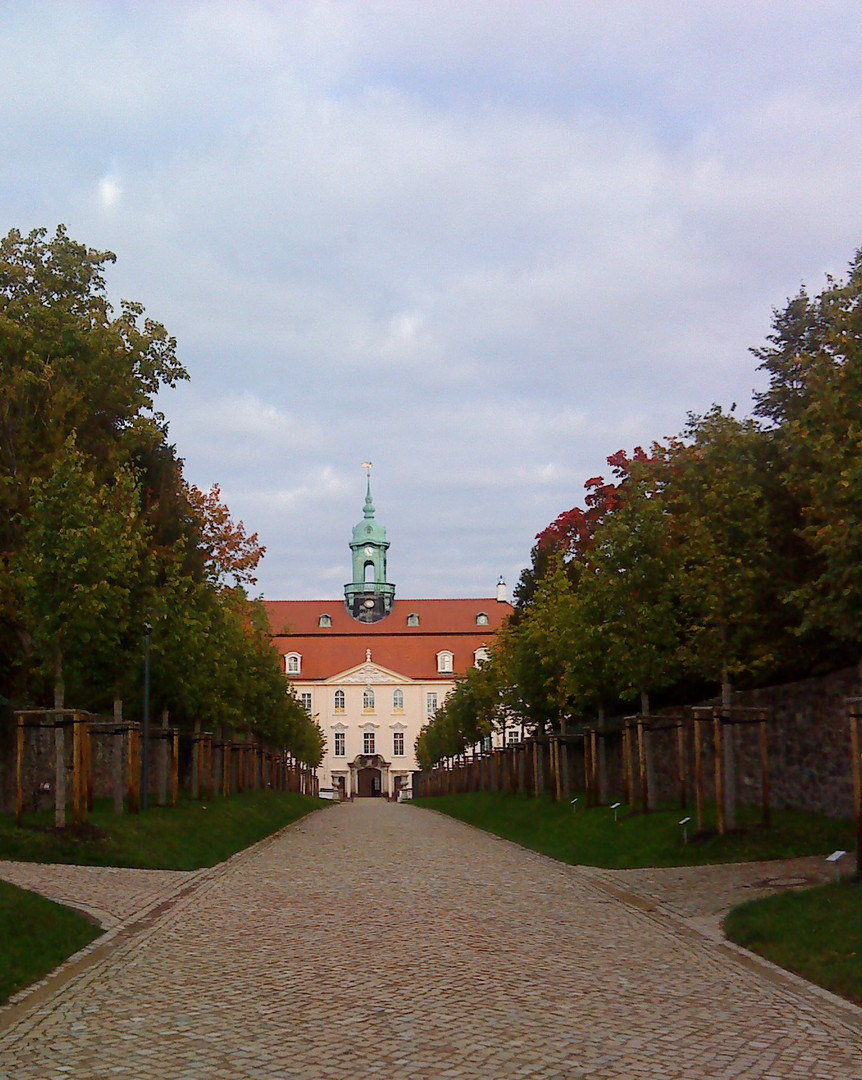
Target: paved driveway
pixel 380 940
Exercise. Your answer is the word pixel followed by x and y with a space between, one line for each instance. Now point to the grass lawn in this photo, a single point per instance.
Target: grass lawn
pixel 36 936
pixel 187 837
pixel 592 838
pixel 817 933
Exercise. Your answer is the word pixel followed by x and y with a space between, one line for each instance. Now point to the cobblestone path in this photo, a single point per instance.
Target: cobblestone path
pixel 380 940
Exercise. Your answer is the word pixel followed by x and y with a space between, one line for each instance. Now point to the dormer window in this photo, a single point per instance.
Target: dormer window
pixel 293 663
pixel 413 619
pixel 444 663
pixel 481 619
pixel 324 620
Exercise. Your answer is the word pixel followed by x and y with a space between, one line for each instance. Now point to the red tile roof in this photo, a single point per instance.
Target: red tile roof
pixel 410 650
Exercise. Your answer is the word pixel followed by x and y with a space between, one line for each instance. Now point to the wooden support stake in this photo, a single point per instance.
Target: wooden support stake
pixel 719 771
pixel 19 773
pixel 76 772
pixel 59 774
pixel 857 785
pixel 698 775
pixel 134 772
pixel 680 750
pixel 175 773
pixel 642 764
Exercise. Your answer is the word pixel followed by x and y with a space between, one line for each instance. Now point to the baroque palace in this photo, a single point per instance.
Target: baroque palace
pixel 371 669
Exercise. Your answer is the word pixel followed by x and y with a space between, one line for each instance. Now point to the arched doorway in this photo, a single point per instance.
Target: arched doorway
pixel 369 783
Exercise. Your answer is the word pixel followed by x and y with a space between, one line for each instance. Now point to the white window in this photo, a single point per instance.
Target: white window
pixel 412 619
pixel 368 699
pixel 293 663
pixel 398 701
pixel 338 701
pixel 481 655
pixel 481 619
pixel 398 744
pixel 444 662
pixel 305 701
pixel 431 704
pixel 324 620
pixel 340 744
pixel 512 736
pixel 367 742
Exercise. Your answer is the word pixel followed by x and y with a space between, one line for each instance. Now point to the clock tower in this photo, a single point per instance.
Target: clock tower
pixel 369 596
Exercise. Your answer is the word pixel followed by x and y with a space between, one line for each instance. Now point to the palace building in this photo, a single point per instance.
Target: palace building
pixel 372 669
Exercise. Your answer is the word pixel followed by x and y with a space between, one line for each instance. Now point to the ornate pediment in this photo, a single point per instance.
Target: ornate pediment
pixel 370 673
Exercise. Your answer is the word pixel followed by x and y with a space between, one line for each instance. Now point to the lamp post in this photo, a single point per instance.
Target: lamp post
pixel 145 721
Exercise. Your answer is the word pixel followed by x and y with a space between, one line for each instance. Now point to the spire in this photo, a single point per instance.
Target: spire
pixel 369 505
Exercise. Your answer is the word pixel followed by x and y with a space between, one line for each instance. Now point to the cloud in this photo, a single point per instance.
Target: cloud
pixel 482 245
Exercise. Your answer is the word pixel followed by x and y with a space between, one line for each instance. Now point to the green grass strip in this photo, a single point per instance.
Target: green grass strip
pixel 816 932
pixel 36 935
pixel 593 838
pixel 186 837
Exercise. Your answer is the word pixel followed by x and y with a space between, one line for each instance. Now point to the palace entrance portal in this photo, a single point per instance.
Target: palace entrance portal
pixel 369 776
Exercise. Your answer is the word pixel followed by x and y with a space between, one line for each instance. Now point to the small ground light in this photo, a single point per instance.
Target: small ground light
pixel 616 807
pixel 574 806
pixel 684 824
pixel 836 858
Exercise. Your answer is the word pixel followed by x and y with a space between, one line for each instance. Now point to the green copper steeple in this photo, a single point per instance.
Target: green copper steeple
pixel 369 596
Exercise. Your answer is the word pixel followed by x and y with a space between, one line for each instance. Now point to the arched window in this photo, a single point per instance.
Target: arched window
pixel 293 663
pixel 444 662
pixel 481 655
pixel 368 572
pixel 398 701
pixel 413 619
pixel 368 699
pixel 339 701
pixel 481 619
pixel 324 620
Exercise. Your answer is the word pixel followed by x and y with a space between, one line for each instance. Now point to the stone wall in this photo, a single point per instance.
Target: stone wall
pixel 808 747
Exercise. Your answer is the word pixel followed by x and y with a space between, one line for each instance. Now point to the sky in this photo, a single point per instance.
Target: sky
pixel 483 245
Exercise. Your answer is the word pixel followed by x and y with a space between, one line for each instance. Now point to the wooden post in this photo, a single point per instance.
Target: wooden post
pixel 77 778
pixel 225 769
pixel 719 770
pixel 19 773
pixel 642 762
pixel 588 770
pixel 680 750
pixel 595 780
pixel 118 736
pixel 855 748
pixel 86 769
pixel 134 771
pixel 764 770
pixel 698 774
pixel 175 746
pixel 59 773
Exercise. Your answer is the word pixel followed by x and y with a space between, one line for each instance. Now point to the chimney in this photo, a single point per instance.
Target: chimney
pixel 501 591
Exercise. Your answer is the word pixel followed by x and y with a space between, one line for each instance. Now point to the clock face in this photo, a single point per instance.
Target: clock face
pixel 369 551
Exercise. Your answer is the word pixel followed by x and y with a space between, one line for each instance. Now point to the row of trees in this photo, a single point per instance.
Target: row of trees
pixel 731 554
pixel 101 536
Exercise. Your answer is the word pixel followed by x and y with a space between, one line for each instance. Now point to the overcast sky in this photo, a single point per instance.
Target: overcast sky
pixel 481 244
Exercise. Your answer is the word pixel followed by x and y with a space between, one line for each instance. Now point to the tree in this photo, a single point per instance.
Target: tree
pixel 82 554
